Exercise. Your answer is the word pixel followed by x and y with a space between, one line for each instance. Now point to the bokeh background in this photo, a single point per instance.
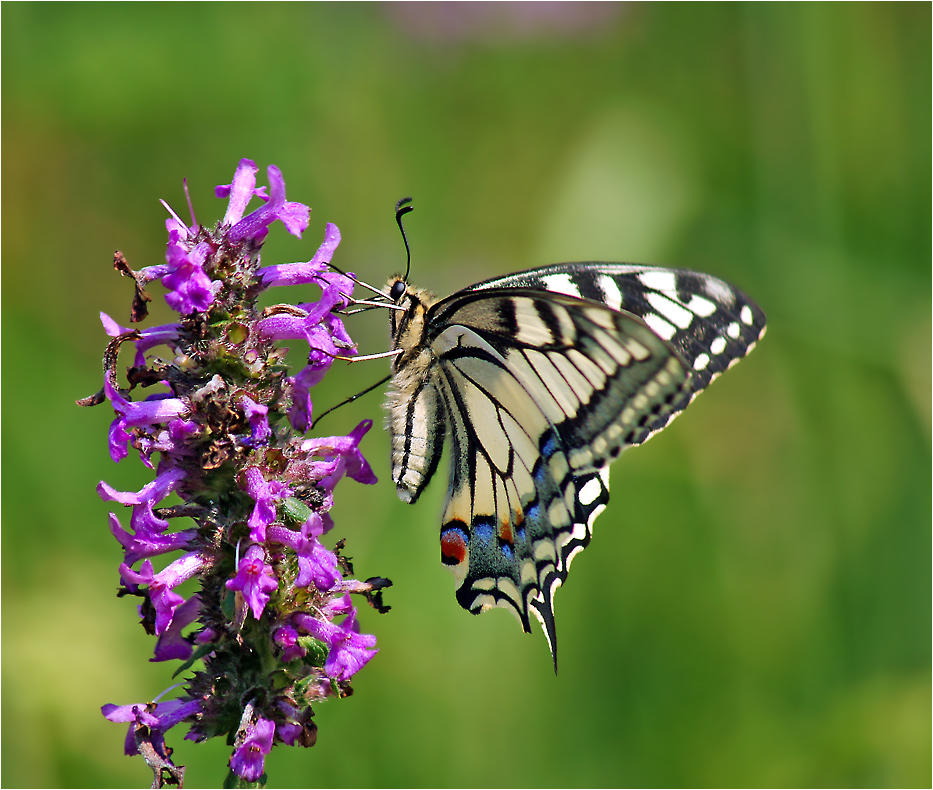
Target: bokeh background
pixel 755 607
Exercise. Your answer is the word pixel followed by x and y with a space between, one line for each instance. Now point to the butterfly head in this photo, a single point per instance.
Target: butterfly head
pixel 408 326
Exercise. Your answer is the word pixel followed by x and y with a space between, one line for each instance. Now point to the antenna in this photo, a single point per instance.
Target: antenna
pixel 401 209
pixel 358 281
pixel 349 400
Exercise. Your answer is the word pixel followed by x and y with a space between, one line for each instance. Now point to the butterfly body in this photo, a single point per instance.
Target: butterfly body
pixel 539 380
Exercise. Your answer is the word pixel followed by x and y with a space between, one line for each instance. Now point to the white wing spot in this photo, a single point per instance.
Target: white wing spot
pixel 579 532
pixel 746 315
pixel 702 307
pixel 590 491
pixel 733 330
pixel 701 362
pixel 610 288
pixel 659 280
pixel 562 284
pixel 659 326
pixel 670 310
pixel 718 345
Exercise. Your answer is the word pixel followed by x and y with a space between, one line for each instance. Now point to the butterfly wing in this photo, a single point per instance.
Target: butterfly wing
pixel 710 323
pixel 539 380
pixel 541 393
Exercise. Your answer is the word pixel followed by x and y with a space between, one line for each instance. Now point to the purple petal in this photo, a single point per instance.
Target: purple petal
pixel 289 733
pixel 347 448
pixel 299 414
pixel 118 440
pixel 303 273
pixel 349 650
pixel 293 215
pixel 282 327
pixel 240 191
pixel 164 716
pixel 171 644
pixel 256 413
pixel 144 544
pixel 164 601
pixel 190 289
pixel 286 638
pixel 248 760
pixel 155 409
pixel 254 579
pixel 153 492
pixel 265 495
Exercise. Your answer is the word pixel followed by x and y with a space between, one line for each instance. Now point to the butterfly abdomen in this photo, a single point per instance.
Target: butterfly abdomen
pixel 415 414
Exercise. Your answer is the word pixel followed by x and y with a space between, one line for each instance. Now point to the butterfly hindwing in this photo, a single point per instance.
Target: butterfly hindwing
pixel 541 394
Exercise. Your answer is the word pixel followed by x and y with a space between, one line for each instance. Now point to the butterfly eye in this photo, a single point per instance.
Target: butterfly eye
pixel 398 290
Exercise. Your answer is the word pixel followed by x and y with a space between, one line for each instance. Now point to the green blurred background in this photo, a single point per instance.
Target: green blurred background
pixel 755 608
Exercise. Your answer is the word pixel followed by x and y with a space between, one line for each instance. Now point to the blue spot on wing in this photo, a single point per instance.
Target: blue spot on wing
pixel 484 528
pixel 550 443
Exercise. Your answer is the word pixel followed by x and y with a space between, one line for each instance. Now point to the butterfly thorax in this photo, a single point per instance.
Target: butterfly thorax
pixel 408 327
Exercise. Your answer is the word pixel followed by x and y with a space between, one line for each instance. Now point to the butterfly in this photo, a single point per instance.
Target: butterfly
pixel 539 380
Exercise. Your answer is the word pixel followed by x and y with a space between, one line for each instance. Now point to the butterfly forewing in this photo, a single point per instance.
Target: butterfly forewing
pixel 539 380
pixel 711 324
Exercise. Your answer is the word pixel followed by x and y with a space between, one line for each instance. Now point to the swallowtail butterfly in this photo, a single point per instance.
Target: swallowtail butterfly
pixel 539 380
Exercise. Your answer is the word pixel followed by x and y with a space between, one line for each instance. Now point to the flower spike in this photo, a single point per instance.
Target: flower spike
pixel 222 423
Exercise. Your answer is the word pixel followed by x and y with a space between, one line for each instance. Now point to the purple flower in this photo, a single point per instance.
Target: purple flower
pixel 190 289
pixel 144 543
pixel 303 273
pixel 256 413
pixel 350 460
pixel 265 495
pixel 254 579
pixel 255 226
pixel 300 412
pixel 338 606
pixel 349 651
pixel 289 733
pixel 250 551
pixel 241 191
pixel 157 718
pixel 315 563
pixel 160 585
pixel 166 481
pixel 249 759
pixel 171 644
pixel 286 638
pixel 152 411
